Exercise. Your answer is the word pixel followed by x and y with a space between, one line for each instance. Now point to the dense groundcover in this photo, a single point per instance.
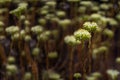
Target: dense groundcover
pixel 59 40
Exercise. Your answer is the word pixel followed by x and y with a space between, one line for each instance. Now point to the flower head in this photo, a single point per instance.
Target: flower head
pixel 82 35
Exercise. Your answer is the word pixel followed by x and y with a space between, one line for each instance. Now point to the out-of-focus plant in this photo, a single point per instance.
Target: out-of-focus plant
pixel 18 11
pixel 113 74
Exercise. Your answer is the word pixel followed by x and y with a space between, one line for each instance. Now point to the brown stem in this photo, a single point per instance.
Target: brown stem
pixel 2 55
pixel 27 53
pixel 71 64
pixel 90 56
pixel 35 70
pixel 47 59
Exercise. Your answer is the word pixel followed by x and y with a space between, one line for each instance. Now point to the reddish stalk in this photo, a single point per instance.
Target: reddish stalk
pixel 2 55
pixel 71 63
pixel 35 70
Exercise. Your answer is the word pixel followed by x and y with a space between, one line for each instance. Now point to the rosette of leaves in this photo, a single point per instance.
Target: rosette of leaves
pixel 71 40
pixel 82 35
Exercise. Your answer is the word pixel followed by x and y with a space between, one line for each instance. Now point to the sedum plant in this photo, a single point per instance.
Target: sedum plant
pixel 18 11
pixel 118 60
pixel 44 36
pixel 11 59
pixel 11 69
pixel 90 26
pixel 82 35
pixel 109 33
pixel 77 75
pixel 37 29
pixel 27 76
pixel 12 29
pixel 52 55
pixel 64 23
pixel 61 14
pixel 35 51
pixel 113 74
pixel 71 40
